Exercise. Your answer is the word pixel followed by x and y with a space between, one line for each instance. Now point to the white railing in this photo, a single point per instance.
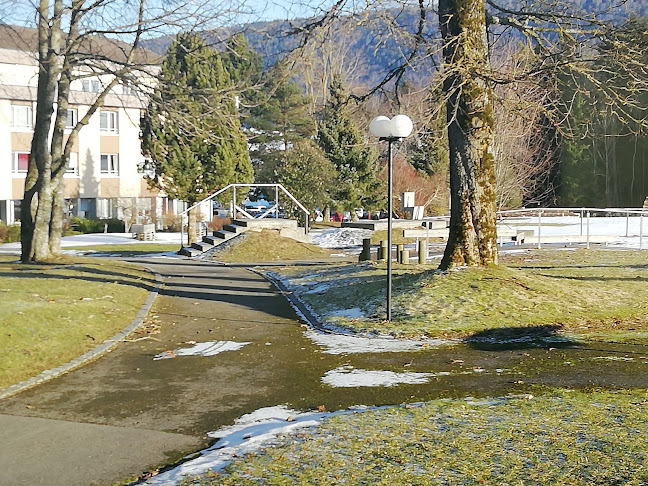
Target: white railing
pixel 235 208
pixel 584 214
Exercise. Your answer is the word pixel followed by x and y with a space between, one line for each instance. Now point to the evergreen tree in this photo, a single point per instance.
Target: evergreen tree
pixel 428 150
pixel 278 118
pixel 191 133
pixel 307 174
pixel 282 113
pixel 359 185
pixel 245 69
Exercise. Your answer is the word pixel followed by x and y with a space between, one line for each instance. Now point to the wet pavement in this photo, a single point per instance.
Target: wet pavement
pixel 129 412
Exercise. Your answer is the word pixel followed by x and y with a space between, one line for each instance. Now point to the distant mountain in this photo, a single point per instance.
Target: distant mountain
pixel 381 40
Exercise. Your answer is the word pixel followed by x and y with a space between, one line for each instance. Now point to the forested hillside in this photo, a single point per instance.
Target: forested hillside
pixel 573 134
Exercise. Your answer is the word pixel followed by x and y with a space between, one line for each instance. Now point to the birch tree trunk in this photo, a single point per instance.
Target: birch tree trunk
pixel 473 234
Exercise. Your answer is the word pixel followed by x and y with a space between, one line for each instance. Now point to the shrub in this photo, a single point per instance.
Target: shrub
pixel 9 234
pixel 171 222
pixel 87 225
pixel 218 222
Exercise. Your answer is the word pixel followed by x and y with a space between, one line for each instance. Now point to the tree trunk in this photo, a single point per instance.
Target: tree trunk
pixel 191 226
pixel 473 213
pixel 38 189
pixel 56 224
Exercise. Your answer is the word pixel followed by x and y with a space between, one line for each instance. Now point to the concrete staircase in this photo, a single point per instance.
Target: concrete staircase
pixel 228 232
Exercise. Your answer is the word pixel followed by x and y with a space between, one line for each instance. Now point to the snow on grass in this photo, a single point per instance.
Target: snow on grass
pixel 249 433
pixel 209 348
pixel 341 238
pixel 354 344
pixel 348 377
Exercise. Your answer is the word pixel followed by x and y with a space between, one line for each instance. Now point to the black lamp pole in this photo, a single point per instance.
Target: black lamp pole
pixel 390 198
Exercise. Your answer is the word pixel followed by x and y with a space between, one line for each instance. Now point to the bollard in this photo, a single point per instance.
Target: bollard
pixel 382 251
pixel 365 255
pixel 399 253
pixel 404 257
pixel 422 252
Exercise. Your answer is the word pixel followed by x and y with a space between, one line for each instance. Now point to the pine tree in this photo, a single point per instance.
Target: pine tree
pixel 191 133
pixel 428 149
pixel 307 174
pixel 278 119
pixel 343 144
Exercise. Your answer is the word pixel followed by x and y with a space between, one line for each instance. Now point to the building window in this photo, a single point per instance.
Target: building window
pixel 73 165
pixel 71 118
pixel 128 89
pixel 110 164
pixel 89 86
pixel 20 162
pixel 21 116
pixel 109 121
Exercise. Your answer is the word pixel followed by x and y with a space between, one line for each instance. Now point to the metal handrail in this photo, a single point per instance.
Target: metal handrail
pixel 233 186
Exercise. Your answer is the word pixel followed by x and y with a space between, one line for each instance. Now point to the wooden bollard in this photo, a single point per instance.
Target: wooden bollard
pixel 422 252
pixel 404 257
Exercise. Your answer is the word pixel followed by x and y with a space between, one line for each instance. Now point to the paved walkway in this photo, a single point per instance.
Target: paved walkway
pixel 127 413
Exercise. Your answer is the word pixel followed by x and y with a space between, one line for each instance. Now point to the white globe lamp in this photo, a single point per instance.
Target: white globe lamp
pixel 380 127
pixel 401 126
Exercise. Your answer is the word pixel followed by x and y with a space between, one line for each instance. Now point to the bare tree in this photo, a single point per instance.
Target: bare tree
pixel 78 39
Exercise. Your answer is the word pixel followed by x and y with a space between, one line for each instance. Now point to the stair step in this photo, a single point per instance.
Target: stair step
pixel 233 228
pixel 212 240
pixel 240 222
pixel 224 235
pixel 202 246
pixel 188 251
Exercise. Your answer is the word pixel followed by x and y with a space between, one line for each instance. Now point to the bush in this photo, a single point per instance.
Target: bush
pixel 171 222
pixel 86 225
pixel 9 234
pixel 218 222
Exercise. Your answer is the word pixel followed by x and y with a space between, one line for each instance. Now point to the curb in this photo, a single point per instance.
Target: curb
pixel 91 355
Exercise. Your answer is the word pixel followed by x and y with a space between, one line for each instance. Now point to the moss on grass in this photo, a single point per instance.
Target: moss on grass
pixel 50 314
pixel 581 291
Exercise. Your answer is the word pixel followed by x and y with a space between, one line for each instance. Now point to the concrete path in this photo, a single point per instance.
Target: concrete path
pixel 127 413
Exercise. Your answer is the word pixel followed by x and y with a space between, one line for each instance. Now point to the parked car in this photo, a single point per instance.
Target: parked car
pixel 335 216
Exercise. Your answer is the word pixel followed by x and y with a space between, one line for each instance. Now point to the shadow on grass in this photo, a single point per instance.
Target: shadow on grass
pixel 523 337
pixel 89 274
pixel 636 278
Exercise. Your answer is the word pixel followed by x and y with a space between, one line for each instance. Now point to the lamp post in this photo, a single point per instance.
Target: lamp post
pixel 390 131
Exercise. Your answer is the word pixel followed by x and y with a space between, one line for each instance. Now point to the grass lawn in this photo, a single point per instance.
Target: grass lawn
pixel 560 438
pixel 135 249
pixel 599 293
pixel 52 313
pixel 268 246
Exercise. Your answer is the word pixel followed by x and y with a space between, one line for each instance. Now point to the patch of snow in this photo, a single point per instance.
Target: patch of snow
pixel 615 358
pixel 209 348
pixel 319 288
pixel 355 313
pixel 352 344
pixel 348 377
pixel 342 237
pixel 249 433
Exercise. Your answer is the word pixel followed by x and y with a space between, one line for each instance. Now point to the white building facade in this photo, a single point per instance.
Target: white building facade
pixel 104 178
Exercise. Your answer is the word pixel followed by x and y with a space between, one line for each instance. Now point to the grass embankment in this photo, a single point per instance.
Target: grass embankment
pixel 599 293
pixel 52 313
pixel 268 246
pixel 563 438
pixel 135 249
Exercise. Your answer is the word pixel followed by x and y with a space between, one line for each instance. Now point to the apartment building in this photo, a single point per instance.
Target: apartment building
pixel 104 178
